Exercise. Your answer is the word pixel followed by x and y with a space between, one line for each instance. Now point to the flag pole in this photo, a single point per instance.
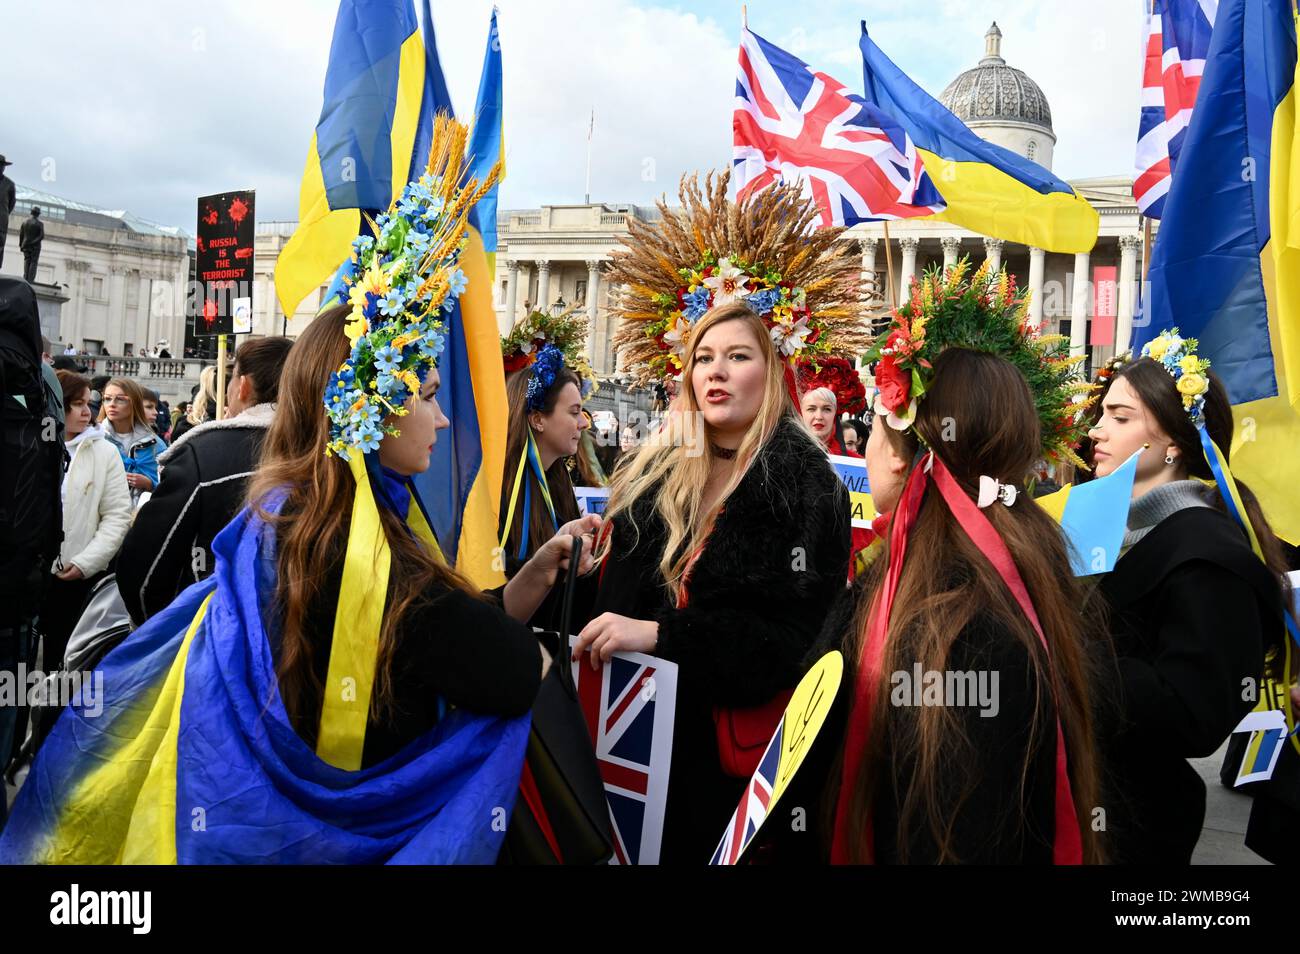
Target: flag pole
pixel 221 376
pixel 889 269
pixel 591 127
pixel 744 16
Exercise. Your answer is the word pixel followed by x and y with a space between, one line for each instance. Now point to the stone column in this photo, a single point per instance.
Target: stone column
pixel 117 325
pixel 951 249
pixel 1128 249
pixel 596 330
pixel 512 293
pixel 868 248
pixel 543 285
pixel 908 245
pixel 1079 305
pixel 993 249
pixel 1037 266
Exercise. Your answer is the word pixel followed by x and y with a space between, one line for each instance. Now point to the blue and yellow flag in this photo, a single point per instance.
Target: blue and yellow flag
pixel 375 127
pixel 1093 516
pixel 188 755
pixel 461 490
pixel 487 141
pixel 1226 264
pixel 987 188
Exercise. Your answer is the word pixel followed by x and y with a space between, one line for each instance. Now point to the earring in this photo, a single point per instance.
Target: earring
pixel 1169 458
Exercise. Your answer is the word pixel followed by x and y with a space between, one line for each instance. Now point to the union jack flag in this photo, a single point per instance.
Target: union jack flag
pixel 794 124
pixel 751 811
pixel 1178 39
pixel 629 706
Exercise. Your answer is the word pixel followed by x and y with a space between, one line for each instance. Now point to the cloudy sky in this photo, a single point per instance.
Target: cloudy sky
pixel 147 104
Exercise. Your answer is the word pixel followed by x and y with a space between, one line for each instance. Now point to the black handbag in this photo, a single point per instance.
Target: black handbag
pixel 560 816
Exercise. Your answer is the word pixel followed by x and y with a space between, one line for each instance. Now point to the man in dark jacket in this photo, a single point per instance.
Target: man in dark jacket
pixel 30 237
pixel 8 196
pixel 204 476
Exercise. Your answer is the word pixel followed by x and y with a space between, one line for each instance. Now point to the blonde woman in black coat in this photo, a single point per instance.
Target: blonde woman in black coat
pixel 725 543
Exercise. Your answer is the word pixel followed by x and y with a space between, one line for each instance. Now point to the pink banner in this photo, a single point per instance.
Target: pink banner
pixel 1105 304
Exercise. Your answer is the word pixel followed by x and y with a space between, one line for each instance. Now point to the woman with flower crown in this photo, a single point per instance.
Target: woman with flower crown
pixel 727 532
pixel 1196 616
pixel 969 731
pixel 547 382
pixel 335 692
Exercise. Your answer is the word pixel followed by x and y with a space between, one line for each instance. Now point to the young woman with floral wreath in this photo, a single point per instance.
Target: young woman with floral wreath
pixel 1197 599
pixel 728 531
pixel 547 382
pixel 335 692
pixel 973 579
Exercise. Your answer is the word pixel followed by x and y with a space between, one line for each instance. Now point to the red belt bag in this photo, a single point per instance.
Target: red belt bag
pixel 743 734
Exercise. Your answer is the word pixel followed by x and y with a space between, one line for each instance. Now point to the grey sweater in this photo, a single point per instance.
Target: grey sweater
pixel 1146 512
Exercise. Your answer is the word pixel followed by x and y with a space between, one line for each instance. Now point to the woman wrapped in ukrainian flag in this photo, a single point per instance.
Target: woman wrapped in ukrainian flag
pixel 334 693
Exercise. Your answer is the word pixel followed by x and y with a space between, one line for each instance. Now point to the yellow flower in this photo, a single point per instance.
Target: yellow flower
pixel 410 379
pixel 357 327
pixel 1193 384
pixel 1157 348
pixel 1190 364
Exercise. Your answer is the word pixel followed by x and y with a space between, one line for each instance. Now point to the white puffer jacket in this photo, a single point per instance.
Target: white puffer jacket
pixel 96 504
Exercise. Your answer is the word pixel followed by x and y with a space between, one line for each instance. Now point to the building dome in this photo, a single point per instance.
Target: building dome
pixel 1002 104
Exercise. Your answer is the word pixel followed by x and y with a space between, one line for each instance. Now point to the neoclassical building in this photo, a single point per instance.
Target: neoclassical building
pixel 555 256
pixel 122 278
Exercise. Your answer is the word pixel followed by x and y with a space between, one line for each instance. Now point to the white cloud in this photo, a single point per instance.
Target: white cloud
pixel 147 105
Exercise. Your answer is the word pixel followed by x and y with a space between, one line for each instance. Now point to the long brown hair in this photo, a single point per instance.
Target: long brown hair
pixel 312 529
pixel 983 406
pixel 673 466
pixel 1156 388
pixel 538 520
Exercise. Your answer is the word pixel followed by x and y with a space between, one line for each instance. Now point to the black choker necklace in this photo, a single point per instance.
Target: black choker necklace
pixel 725 453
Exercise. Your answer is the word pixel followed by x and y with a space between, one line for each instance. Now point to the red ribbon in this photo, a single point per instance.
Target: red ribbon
pixel 1067 841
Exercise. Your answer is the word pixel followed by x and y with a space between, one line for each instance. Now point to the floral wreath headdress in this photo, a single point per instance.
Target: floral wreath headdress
pixel 530 343
pixel 805 285
pixel 1177 355
pixel 402 282
pixel 983 313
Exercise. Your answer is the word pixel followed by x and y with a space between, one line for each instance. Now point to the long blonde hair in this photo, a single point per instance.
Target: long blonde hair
pixel 198 412
pixel 667 467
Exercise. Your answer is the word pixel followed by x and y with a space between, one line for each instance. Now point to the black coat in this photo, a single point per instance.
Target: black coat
pixel 756 605
pixel 995 820
pixel 1191 610
pixel 204 476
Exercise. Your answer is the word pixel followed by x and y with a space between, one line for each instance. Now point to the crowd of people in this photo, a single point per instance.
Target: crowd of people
pixel 282 553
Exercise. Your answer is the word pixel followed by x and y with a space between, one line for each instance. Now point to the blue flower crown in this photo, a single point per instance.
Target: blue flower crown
pixel 541 375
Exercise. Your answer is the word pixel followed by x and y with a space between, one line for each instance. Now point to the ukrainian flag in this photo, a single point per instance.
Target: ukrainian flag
pixel 988 189
pixel 487 142
pixel 461 490
pixel 1226 264
pixel 375 127
pixel 1093 516
pixel 189 757
pixel 383 87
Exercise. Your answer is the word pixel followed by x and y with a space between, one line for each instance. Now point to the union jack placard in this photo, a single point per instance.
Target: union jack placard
pixel 629 705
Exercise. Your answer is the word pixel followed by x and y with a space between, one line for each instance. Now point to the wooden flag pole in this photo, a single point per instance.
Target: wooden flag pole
pixel 221 376
pixel 889 270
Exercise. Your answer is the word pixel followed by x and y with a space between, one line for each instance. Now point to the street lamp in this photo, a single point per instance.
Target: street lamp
pixel 559 306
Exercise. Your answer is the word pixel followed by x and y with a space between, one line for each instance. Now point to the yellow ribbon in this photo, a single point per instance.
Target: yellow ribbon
pixel 354 650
